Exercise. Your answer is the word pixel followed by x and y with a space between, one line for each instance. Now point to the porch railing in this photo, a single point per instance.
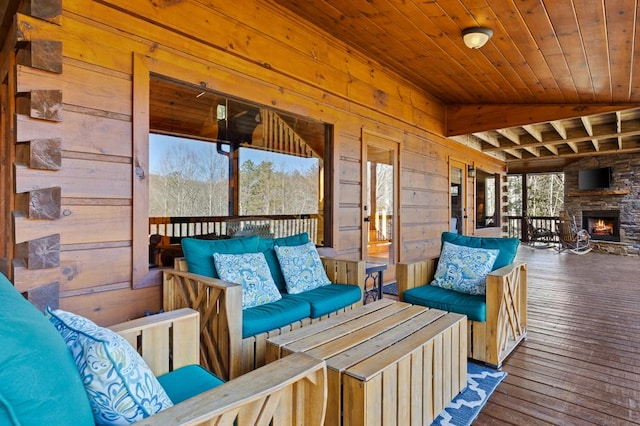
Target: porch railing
pixel 176 228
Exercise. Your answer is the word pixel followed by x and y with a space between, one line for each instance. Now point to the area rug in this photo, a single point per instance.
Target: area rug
pixel 391 288
pixel 462 411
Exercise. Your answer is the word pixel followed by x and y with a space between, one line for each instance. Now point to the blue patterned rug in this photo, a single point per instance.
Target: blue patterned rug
pixel 481 382
pixel 391 288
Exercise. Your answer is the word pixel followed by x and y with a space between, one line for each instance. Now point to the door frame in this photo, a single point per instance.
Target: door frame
pixel 466 196
pixel 370 138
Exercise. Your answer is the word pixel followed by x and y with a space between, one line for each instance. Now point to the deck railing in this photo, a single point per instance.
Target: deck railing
pixel 518 226
pixel 176 228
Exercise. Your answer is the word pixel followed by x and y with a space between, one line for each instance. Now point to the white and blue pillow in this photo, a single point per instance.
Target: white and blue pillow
pixel 301 267
pixel 252 272
pixel 121 388
pixel 464 269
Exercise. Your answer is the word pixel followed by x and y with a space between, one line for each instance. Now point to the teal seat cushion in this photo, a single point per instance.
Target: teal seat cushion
pixel 199 253
pixel 39 382
pixel 508 247
pixel 273 315
pixel 187 382
pixel 329 298
pixel 266 246
pixel 473 306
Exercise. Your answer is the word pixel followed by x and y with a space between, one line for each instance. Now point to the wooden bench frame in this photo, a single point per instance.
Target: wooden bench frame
pixel 222 348
pixel 285 393
pixel 506 325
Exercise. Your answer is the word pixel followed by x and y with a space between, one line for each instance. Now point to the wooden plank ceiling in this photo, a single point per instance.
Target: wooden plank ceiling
pixel 558 81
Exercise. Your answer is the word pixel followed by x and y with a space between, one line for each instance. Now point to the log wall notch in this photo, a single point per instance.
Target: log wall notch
pixel 42 154
pixel 40 203
pixel 40 253
pixel 41 54
pixel 48 10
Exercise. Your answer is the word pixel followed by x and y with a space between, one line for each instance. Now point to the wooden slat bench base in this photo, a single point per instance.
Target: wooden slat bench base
pixel 388 362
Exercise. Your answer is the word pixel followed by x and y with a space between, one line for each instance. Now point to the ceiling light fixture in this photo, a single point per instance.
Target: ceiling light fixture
pixel 476 37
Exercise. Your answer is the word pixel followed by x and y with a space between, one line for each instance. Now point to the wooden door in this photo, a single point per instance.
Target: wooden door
pixel 380 198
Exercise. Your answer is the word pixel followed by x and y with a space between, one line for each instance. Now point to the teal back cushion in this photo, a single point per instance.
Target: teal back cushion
pixel 199 253
pixel 266 246
pixel 39 382
pixel 508 247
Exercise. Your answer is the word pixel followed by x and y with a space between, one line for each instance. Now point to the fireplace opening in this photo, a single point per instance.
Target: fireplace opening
pixel 602 224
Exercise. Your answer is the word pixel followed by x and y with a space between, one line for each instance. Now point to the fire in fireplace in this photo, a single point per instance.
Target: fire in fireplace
pixel 602 224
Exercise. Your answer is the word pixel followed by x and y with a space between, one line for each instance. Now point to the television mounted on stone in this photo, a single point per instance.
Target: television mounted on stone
pixel 594 178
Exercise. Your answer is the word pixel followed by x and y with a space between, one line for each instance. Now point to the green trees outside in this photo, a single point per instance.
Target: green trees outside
pixel 191 178
pixel 545 194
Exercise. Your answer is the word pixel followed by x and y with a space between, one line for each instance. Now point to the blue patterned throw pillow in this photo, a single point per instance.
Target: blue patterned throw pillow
pixel 121 388
pixel 252 272
pixel 464 269
pixel 301 267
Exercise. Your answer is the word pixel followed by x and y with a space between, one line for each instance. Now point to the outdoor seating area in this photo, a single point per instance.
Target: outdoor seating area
pixel 340 213
pixel 40 382
pixel 236 321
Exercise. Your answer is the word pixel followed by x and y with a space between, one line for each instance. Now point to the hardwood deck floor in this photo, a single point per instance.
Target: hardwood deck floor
pixel 581 361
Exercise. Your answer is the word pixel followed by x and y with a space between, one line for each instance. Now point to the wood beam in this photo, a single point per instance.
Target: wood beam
pixel 488 138
pixel 619 127
pixel 463 119
pixel 604 131
pixel 510 134
pixel 533 131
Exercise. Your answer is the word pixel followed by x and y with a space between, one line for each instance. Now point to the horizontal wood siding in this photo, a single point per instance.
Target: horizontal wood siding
pixel 252 50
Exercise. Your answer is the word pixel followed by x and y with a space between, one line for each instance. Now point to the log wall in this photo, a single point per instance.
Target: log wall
pixel 74 194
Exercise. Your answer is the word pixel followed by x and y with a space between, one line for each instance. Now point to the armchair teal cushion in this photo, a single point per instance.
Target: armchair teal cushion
pixel 508 247
pixel 199 253
pixel 266 246
pixel 39 382
pixel 473 306
pixel 187 382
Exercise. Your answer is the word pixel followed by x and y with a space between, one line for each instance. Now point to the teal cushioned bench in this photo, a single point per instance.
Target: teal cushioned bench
pixel 291 308
pixel 473 306
pixel 270 316
pixel 329 298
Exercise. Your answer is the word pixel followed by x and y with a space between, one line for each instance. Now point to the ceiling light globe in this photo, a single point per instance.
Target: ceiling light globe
pixel 476 37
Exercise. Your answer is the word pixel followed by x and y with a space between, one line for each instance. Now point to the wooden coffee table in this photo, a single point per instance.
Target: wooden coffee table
pixel 388 362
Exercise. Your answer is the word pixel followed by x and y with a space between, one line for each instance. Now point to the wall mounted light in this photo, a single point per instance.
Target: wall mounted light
pixel 471 172
pixel 476 37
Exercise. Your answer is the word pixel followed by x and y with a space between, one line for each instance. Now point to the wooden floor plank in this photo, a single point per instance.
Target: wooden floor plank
pixel 581 362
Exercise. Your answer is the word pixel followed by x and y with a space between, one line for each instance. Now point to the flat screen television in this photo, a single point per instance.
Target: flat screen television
pixel 594 178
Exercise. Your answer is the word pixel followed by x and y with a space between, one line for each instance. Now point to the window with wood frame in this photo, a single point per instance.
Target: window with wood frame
pixel 486 199
pixel 215 157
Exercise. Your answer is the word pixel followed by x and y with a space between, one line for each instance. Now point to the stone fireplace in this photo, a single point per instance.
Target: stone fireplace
pixel 610 215
pixel 602 225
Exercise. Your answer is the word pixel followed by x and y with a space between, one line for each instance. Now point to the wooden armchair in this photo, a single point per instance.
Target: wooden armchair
pixel 281 393
pixel 506 308
pixel 223 349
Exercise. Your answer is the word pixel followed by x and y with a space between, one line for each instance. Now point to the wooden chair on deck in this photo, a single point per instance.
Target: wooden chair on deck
pixel 572 239
pixel 538 237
